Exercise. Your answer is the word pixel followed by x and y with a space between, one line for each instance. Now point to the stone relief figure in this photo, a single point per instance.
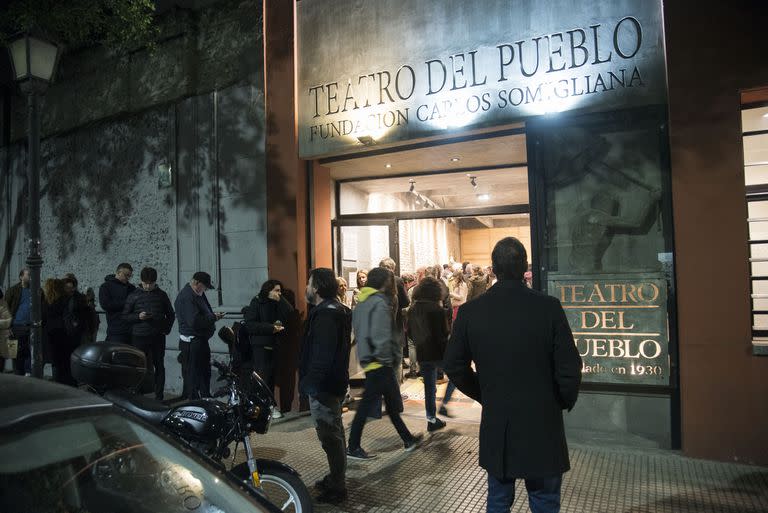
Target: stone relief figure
pixel 598 219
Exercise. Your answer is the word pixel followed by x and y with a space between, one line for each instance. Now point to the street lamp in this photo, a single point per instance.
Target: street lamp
pixel 34 61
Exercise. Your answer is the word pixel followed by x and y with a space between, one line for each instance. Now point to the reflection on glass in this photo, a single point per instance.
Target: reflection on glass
pixel 105 464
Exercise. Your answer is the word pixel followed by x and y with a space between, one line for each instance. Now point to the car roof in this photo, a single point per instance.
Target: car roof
pixel 22 397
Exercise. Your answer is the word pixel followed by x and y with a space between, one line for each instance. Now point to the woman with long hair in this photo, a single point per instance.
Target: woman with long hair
pixel 428 328
pixel 55 327
pixel 265 319
pixel 459 290
pixel 361 278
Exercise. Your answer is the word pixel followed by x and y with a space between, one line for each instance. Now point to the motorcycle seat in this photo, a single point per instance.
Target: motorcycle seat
pixel 151 410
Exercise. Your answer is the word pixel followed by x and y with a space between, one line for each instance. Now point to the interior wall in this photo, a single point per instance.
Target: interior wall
pixel 322 252
pixel 723 386
pixel 477 243
pixel 425 242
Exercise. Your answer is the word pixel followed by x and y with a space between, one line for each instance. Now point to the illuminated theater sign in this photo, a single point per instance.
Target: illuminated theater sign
pixel 619 325
pixel 385 71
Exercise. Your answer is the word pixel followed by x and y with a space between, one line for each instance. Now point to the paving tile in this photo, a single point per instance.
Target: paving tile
pixel 443 476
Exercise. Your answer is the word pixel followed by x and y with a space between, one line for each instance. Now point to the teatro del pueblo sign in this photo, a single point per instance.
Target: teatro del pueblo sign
pixel 385 71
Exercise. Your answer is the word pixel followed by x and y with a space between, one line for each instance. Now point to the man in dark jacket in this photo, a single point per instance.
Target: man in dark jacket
pixel 112 295
pixel 19 298
pixel 197 323
pixel 149 312
pixel 527 371
pixel 324 376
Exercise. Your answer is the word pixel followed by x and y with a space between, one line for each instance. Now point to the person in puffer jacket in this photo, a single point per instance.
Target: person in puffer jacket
pixel 149 313
pixel 379 352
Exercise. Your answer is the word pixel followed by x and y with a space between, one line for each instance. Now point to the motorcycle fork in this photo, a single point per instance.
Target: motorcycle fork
pixel 255 479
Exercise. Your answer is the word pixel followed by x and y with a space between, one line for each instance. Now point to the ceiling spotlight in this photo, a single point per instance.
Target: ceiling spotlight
pixel 473 181
pixel 483 197
pixel 413 185
pixel 367 140
pixel 455 159
pixel 388 166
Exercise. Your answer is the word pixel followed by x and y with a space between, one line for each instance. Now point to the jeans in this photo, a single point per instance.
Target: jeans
pixel 543 494
pixel 326 413
pixel 196 368
pixel 379 382
pixel 429 373
pixel 154 350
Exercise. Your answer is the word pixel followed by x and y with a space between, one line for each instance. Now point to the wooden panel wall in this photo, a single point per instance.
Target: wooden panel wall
pixel 477 244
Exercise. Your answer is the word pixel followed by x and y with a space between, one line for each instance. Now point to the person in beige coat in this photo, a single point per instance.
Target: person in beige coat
pixel 5 325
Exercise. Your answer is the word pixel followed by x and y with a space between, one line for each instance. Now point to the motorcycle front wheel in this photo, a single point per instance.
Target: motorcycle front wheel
pixel 280 487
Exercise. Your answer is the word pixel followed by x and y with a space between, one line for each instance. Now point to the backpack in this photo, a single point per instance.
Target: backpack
pixel 241 349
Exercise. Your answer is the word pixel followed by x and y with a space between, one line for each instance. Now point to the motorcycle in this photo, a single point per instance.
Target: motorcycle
pixel 208 426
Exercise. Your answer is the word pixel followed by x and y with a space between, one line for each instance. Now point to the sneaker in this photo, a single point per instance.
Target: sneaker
pixel 330 496
pixel 444 412
pixel 276 414
pixel 435 425
pixel 414 442
pixel 359 454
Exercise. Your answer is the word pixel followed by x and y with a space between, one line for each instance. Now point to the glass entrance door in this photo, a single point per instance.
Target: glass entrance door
pixel 361 245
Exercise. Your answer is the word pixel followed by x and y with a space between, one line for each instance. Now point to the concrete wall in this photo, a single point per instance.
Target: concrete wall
pixel 197 104
pixel 723 386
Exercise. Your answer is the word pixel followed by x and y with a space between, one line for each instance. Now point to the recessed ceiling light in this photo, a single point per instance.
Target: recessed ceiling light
pixel 388 166
pixel 765 115
pixel 455 159
pixel 483 197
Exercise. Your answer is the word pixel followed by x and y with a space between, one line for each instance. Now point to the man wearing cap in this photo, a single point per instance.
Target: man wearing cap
pixel 197 323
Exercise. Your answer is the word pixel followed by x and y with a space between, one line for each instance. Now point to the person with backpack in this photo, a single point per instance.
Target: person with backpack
pixel 324 376
pixel 265 319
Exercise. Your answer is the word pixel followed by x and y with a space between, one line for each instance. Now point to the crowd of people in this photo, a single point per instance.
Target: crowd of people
pixel 460 319
pixel 454 319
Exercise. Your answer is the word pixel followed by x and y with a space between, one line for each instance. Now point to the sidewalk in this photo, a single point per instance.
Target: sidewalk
pixel 442 475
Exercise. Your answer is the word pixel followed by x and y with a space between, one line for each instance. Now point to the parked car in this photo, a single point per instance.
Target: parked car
pixel 63 450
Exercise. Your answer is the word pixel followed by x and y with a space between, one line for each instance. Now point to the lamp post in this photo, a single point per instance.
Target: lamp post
pixel 34 61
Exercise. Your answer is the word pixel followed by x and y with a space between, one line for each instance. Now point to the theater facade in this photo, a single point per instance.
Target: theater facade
pixel 619 141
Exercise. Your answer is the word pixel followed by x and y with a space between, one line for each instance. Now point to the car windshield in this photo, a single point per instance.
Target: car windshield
pixel 106 463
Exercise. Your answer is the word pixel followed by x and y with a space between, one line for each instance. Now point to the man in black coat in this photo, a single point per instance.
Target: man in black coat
pixel 324 376
pixel 197 323
pixel 149 312
pixel 527 371
pixel 112 295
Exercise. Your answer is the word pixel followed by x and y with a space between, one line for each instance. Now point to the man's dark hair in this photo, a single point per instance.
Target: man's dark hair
pixel 124 266
pixel 267 287
pixel 149 275
pixel 378 277
pixel 510 260
pixel 23 270
pixel 324 280
pixel 428 289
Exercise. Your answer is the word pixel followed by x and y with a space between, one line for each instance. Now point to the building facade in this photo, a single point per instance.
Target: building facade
pixel 622 141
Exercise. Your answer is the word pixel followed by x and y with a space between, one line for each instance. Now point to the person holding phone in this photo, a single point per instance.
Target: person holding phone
pixel 149 313
pixel 265 320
